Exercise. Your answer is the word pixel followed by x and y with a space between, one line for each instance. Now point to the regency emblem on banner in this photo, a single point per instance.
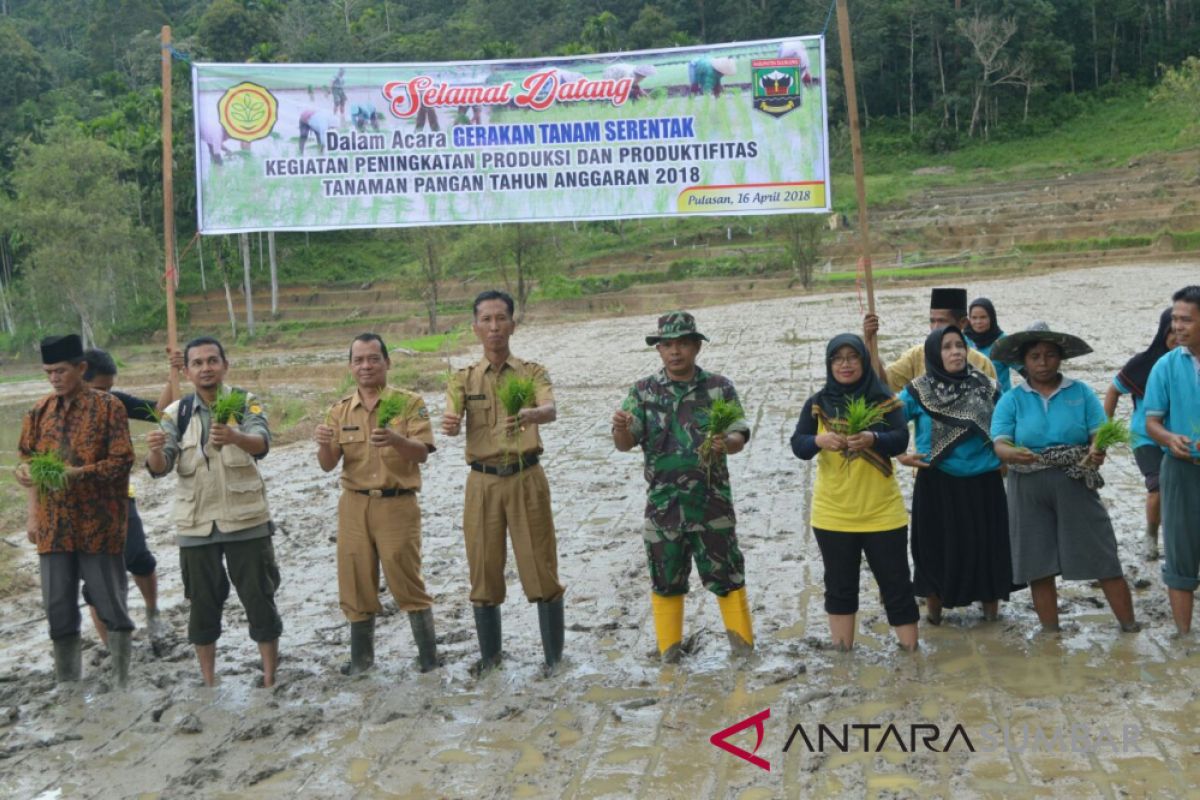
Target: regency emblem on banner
pixel 777 85
pixel 248 112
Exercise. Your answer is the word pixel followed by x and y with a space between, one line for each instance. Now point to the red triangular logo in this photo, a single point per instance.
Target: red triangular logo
pixel 719 739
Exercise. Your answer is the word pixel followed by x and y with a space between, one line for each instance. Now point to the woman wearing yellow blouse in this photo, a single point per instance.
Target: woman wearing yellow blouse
pixel 856 504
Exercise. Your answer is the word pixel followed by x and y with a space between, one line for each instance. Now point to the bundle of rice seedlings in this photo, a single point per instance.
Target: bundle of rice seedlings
pixel 154 413
pixel 229 408
pixel 515 393
pixel 48 472
pixel 454 393
pixel 717 421
pixel 861 416
pixel 391 407
pixel 1111 433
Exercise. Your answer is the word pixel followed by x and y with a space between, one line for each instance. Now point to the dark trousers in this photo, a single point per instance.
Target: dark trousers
pixel 104 573
pixel 253 572
pixel 139 560
pixel 887 556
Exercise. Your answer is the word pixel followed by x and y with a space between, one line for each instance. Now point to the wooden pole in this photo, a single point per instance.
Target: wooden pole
pixel 170 273
pixel 860 186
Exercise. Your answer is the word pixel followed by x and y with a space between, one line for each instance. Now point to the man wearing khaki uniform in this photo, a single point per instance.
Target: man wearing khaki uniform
pixel 506 489
pixel 379 520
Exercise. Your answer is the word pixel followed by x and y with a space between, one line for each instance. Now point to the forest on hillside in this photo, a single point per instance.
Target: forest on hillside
pixel 80 96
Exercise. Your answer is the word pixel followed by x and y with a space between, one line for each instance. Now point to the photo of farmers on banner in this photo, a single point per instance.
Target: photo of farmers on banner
pixel 716 129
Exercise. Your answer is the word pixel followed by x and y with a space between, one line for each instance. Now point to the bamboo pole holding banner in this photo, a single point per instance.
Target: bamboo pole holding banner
pixel 860 187
pixel 168 178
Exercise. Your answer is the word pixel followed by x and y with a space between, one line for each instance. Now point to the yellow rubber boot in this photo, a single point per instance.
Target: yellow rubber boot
pixel 735 610
pixel 668 625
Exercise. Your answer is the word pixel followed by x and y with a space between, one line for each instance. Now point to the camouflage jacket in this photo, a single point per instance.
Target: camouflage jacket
pixel 684 493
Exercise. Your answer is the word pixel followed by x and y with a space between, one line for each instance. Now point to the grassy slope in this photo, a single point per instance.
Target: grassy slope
pixel 1108 132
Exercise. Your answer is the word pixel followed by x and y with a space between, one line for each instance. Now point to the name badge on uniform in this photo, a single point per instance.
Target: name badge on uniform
pixel 477 397
pixel 349 427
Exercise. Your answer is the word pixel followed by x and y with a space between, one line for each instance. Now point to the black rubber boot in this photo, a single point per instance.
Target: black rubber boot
pixel 550 620
pixel 362 647
pixel 120 647
pixel 68 659
pixel 423 635
pixel 487 626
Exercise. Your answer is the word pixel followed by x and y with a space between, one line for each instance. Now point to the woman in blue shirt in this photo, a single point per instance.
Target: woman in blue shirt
pixel 959 515
pixel 1132 380
pixel 983 332
pixel 1043 430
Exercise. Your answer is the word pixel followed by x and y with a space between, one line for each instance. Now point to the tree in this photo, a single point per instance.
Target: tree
pixel 600 33
pixel 83 252
pixel 652 28
pixel 26 77
pixel 525 253
pixel 803 234
pixel 229 31
pixel 429 245
pixel 988 37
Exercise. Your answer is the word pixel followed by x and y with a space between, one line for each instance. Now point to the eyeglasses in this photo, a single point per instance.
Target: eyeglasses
pixel 847 360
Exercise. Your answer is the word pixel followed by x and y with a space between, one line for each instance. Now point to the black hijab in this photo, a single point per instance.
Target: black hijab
pixel 960 404
pixel 1136 371
pixel 985 339
pixel 832 399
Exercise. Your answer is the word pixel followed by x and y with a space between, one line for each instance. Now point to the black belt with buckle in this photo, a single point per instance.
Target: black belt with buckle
pixel 507 469
pixel 384 492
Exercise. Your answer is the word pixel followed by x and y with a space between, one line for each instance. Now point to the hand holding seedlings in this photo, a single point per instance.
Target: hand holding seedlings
pixel 860 441
pixel 832 441
pixel 323 435
pixel 451 423
pixel 621 420
pixel 22 475
pixel 156 440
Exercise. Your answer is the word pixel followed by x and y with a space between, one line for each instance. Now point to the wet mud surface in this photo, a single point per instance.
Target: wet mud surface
pixel 612 722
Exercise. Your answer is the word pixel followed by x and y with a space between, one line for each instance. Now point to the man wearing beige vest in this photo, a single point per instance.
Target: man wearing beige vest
pixel 220 508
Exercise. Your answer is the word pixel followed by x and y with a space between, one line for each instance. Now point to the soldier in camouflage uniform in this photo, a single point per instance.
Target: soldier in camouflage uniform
pixel 689 503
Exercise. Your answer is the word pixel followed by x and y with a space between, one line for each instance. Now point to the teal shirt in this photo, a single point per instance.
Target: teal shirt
pixel 1068 417
pixel 1173 394
pixel 1003 371
pixel 1137 422
pixel 704 74
pixel 972 456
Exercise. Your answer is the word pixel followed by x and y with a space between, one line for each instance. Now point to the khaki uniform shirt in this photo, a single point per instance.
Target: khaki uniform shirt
pixel 912 365
pixel 473 389
pixel 365 466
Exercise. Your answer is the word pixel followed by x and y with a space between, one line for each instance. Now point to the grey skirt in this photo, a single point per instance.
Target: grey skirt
pixel 1057 526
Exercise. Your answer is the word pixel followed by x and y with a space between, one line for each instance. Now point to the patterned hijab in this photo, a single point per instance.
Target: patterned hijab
pixel 985 339
pixel 960 404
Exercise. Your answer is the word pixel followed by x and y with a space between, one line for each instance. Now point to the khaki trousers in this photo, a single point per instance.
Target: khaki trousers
pixel 375 531
pixel 520 505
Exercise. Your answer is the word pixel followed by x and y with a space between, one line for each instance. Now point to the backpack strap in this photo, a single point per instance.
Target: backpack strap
pixel 187 405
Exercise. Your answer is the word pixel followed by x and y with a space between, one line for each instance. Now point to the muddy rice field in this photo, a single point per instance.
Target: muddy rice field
pixel 1089 712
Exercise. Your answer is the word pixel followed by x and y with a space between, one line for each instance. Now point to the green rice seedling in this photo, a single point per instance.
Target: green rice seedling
pixel 716 422
pixel 229 407
pixel 861 415
pixel 515 393
pixel 1111 433
pixel 48 472
pixel 152 412
pixel 391 407
pixel 454 392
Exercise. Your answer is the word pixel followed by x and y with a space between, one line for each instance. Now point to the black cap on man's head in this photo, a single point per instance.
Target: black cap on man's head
pixel 954 299
pixel 56 349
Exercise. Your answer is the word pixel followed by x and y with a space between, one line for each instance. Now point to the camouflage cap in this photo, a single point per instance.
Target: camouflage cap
pixel 675 325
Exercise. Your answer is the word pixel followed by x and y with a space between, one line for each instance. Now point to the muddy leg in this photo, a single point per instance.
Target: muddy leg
pixel 1181 609
pixel 1045 602
pixel 991 610
pixel 206 654
pixel 907 636
pixel 270 659
pixel 841 630
pixel 101 629
pixel 933 609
